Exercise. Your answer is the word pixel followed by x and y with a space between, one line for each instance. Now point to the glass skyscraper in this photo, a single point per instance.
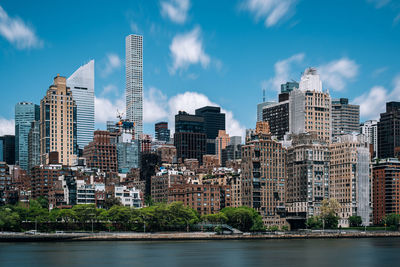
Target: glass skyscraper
pixel 134 81
pixel 81 84
pixel 25 114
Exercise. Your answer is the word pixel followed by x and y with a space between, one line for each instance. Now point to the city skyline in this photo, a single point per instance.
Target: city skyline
pixel 209 70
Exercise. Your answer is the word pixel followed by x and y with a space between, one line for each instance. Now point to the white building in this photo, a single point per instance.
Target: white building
pixel 260 108
pixel 81 83
pixel 129 197
pixel 134 81
pixel 370 130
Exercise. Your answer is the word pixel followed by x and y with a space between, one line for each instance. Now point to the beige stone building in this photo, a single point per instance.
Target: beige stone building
pixel 263 175
pixel 58 123
pixel 221 142
pixel 350 177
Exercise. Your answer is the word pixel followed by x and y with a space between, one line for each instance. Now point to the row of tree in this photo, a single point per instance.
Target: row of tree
pixel 157 217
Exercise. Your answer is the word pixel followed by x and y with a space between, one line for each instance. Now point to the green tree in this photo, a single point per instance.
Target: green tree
pixel 220 218
pixel 329 213
pixel 112 201
pixel 392 220
pixel 9 220
pixel 314 222
pixel 244 218
pixel 67 215
pixel 85 212
pixel 355 221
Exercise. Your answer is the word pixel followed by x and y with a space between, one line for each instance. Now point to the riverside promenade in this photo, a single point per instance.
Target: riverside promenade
pixel 182 236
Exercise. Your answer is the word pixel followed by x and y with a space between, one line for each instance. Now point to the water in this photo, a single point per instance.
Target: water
pixel 306 252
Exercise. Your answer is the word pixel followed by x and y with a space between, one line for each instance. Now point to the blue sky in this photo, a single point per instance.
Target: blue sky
pixel 199 52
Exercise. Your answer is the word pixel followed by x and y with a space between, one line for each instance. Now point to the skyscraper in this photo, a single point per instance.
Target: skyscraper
pixel 370 130
pixel 134 81
pixel 25 114
pixel 81 84
pixel 214 121
pixel 345 117
pixel 58 123
pixel 389 131
pixel 190 136
pixel 310 107
pixel 7 149
pixel 34 145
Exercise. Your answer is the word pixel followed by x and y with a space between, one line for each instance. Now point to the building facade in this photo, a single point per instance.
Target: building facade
pixel 162 132
pixel 345 117
pixel 34 145
pixel 389 130
pixel 58 130
pixel 264 175
pixel 277 115
pixel 221 142
pixel 7 149
pixel 101 153
pixel 214 121
pixel 310 107
pixel 370 130
pixel 25 114
pixel 81 84
pixel 134 81
pixel 350 182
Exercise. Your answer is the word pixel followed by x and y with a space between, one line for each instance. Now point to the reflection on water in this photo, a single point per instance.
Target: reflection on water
pixel 306 252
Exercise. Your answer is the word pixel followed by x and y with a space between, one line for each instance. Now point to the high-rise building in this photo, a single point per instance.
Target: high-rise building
pixel 308 177
pixel 310 107
pixel 221 142
pixel 7 149
pixel 277 115
pixel 25 114
pixel 134 81
pixel 350 182
pixel 128 148
pixel 189 137
pixel 214 121
pixel 264 175
pixel 386 183
pixel 370 130
pixel 81 84
pixel 162 131
pixel 58 130
pixel 260 108
pixel 345 117
pixel 34 145
pixel 101 153
pixel 286 88
pixel 389 131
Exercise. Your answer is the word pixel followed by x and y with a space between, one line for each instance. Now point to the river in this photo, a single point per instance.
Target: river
pixel 304 252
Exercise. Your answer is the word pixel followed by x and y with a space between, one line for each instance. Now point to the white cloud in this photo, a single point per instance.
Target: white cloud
pixel 282 72
pixel 379 3
pixel 113 62
pixel 7 126
pixel 187 49
pixel 379 71
pixel 110 88
pixel 373 102
pixel 17 32
pixel 154 104
pixel 106 110
pixel 335 74
pixel 271 11
pixel 175 10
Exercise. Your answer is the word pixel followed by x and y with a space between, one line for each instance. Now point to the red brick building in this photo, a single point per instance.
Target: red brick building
pixel 101 153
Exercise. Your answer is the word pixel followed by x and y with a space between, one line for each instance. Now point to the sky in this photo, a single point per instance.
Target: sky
pixel 201 52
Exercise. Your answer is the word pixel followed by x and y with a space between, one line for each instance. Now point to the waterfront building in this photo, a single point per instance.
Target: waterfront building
pixel 25 114
pixel 307 177
pixel 81 84
pixel 134 82
pixel 190 137
pixel 263 175
pixel 221 142
pixel 389 131
pixel 129 197
pixel 310 107
pixel 101 153
pixel 34 145
pixel 58 130
pixel 162 131
pixel 386 184
pixel 370 130
pixel 345 117
pixel 350 174
pixel 7 149
pixel 214 121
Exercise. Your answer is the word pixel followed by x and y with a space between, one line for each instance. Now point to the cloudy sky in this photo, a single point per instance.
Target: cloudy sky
pixel 201 52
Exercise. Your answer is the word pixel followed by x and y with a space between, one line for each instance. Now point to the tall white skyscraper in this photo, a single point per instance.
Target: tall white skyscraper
pixel 81 84
pixel 134 81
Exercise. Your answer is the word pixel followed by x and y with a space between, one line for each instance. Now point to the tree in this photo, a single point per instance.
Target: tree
pixel 314 222
pixel 392 220
pixel 355 221
pixel 244 218
pixel 9 220
pixel 217 218
pixel 329 213
pixel 112 201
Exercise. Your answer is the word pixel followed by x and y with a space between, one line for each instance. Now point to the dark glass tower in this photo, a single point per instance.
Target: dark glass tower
pixel 162 131
pixel 214 121
pixel 389 131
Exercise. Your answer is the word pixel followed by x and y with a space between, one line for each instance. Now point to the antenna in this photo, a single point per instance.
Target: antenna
pixel 264 95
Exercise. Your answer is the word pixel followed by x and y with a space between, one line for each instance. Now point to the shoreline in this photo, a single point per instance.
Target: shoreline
pixel 183 236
